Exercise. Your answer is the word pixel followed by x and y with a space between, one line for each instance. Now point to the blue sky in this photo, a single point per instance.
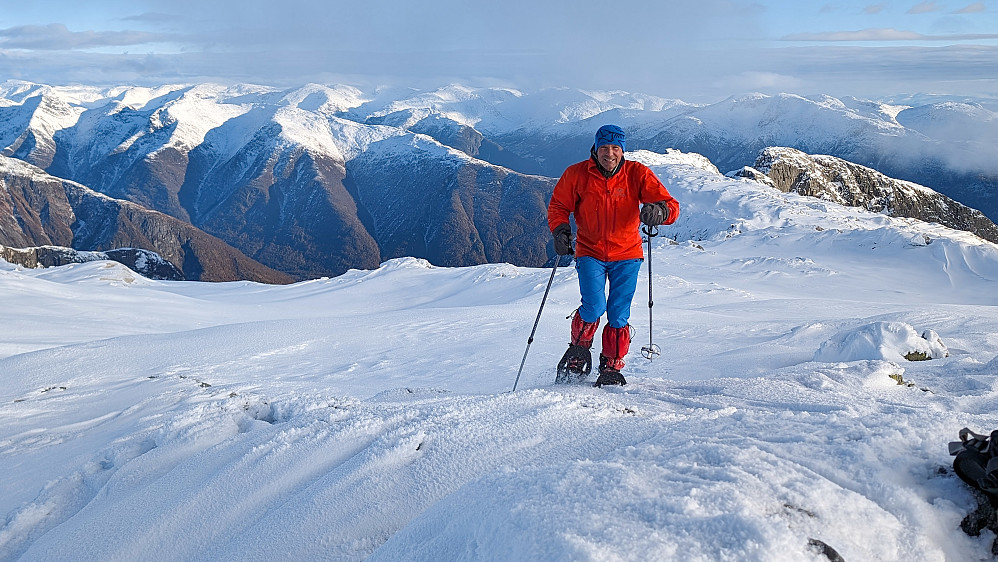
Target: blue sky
pixel 698 51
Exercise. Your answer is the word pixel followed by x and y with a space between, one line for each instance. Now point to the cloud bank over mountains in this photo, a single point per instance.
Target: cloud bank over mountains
pixel 700 51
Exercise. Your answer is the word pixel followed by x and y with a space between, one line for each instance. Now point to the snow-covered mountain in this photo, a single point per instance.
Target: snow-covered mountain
pixel 281 176
pixel 368 416
pixel 948 146
pixel 316 180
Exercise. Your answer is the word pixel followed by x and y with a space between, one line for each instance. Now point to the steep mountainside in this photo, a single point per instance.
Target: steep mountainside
pixel 843 182
pixel 424 200
pixel 37 209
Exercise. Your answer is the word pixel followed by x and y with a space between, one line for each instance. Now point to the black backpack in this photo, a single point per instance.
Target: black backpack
pixel 976 461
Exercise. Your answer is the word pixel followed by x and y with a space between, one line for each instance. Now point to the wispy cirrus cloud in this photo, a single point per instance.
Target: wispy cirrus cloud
pixel 975 8
pixel 884 34
pixel 874 9
pixel 57 37
pixel 925 8
pixel 153 17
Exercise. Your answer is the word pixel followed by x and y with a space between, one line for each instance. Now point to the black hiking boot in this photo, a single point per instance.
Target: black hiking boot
pixel 608 376
pixel 575 365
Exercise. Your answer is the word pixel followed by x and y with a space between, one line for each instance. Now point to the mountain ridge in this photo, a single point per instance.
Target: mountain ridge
pixel 317 180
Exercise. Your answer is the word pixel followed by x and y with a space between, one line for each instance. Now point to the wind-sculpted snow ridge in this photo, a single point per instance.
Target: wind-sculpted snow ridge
pixel 208 466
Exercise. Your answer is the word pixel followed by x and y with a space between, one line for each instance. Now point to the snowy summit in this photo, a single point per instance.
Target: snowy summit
pixel 368 416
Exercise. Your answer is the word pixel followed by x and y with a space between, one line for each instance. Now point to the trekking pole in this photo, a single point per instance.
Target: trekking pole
pixel 530 340
pixel 651 350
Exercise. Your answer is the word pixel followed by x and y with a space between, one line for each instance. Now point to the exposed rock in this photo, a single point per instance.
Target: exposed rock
pixel 821 548
pixel 983 517
pixel 751 173
pixel 837 180
pixel 145 263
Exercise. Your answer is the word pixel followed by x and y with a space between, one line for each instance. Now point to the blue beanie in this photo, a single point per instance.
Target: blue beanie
pixel 611 134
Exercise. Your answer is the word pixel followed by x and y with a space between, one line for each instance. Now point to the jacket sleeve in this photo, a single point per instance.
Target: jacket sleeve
pixel 562 200
pixel 653 191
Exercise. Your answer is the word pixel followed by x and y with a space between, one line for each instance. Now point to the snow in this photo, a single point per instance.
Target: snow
pixel 369 415
pixel 894 341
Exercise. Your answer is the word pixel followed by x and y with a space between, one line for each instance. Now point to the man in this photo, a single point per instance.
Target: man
pixel 604 193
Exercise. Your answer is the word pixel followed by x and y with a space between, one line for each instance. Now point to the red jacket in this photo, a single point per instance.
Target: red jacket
pixel 607 209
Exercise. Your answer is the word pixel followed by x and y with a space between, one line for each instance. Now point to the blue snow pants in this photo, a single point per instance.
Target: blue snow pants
pixel 593 277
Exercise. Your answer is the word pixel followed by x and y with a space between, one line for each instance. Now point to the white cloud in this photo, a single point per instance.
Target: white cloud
pixel 970 70
pixel 698 52
pixel 764 82
pixel 56 36
pixel 154 18
pixel 869 35
pixel 838 71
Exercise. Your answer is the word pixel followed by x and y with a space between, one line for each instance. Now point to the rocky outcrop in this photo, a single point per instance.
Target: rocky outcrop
pixel 37 209
pixel 145 263
pixel 837 180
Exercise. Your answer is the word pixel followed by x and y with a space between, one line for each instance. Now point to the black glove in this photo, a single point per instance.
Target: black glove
pixel 654 214
pixel 563 239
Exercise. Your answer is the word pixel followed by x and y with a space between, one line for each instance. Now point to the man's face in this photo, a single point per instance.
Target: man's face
pixel 609 156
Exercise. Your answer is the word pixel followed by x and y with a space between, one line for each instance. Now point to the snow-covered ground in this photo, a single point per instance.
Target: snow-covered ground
pixel 369 415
